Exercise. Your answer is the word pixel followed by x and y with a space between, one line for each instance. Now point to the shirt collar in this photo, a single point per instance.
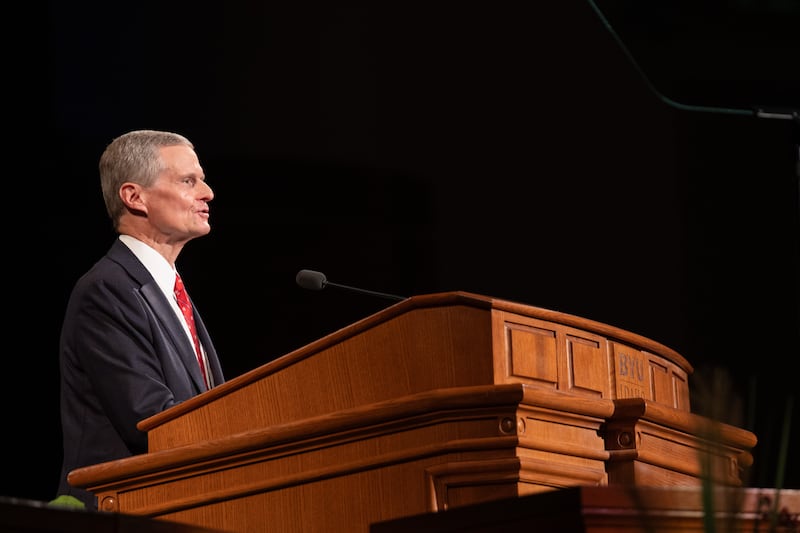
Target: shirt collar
pixel 155 263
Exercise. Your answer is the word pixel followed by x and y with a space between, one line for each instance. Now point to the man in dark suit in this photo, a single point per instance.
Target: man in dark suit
pixel 126 350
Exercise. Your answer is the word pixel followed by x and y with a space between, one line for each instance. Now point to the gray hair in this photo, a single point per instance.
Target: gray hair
pixel 133 157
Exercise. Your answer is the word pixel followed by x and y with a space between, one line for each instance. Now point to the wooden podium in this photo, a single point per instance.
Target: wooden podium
pixel 437 402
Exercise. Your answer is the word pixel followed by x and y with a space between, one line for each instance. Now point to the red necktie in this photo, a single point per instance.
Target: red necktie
pixel 186 309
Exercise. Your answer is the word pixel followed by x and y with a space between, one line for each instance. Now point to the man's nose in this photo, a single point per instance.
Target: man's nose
pixel 208 194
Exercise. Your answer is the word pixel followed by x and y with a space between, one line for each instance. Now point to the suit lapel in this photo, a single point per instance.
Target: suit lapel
pixel 161 308
pixel 167 316
pixel 172 325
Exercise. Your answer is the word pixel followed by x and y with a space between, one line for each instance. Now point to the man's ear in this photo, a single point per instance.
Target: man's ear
pixel 131 196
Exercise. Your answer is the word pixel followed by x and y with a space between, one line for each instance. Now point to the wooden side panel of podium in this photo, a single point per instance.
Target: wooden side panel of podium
pixel 437 402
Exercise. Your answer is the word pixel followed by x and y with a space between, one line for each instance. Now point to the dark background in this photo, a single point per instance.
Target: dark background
pixel 514 150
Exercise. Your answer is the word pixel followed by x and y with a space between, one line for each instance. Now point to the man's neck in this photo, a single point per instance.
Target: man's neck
pixel 169 251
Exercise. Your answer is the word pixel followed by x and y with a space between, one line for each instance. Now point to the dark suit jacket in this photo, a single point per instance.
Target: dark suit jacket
pixel 124 356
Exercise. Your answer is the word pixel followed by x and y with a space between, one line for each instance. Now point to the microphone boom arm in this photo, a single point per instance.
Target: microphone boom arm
pixel 365 291
pixel 311 279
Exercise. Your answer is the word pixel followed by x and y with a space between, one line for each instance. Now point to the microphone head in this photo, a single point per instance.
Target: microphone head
pixel 311 279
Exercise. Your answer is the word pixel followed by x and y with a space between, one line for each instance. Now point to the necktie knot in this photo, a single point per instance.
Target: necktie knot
pixel 182 297
pixel 179 288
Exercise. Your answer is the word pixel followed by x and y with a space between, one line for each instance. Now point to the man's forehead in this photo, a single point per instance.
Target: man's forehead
pixel 180 158
pixel 177 151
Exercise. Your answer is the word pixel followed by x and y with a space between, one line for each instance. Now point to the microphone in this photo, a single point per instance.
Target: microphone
pixel 316 281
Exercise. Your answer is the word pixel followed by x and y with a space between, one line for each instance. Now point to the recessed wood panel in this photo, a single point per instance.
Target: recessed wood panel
pixel 663 390
pixel 587 365
pixel 532 353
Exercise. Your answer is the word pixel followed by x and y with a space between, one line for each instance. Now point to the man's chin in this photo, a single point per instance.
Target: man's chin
pixel 201 231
